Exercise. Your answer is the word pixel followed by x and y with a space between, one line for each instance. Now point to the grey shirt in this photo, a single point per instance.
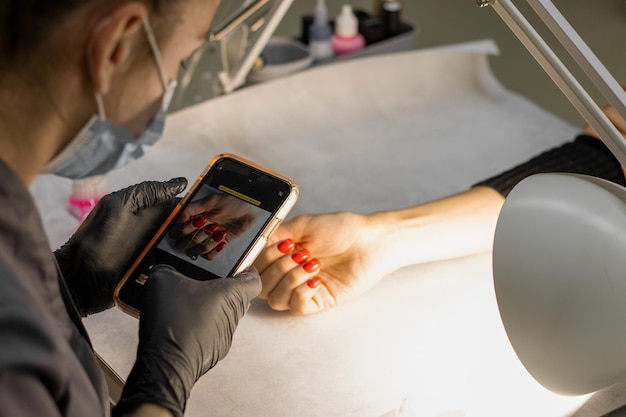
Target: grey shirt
pixel 47 365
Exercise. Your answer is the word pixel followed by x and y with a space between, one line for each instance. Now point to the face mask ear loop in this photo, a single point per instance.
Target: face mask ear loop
pixel 100 106
pixel 99 101
pixel 155 52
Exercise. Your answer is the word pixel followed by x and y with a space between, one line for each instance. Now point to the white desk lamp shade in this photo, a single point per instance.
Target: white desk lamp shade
pixel 559 267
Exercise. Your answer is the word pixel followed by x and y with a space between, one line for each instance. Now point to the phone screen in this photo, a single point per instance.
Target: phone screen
pixel 222 219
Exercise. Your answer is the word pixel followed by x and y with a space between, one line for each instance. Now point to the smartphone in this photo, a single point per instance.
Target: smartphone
pixel 217 229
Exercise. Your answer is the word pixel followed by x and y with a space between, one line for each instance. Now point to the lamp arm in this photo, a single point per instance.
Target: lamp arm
pixel 559 73
pixel 582 54
pixel 267 27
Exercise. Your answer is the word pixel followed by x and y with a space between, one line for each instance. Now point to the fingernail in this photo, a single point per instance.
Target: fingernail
pixel 286 246
pixel 219 236
pixel 200 221
pixel 220 247
pixel 198 237
pixel 314 282
pixel 212 228
pixel 300 256
pixel 312 266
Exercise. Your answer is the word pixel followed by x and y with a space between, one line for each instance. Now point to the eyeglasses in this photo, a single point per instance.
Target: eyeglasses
pixel 222 64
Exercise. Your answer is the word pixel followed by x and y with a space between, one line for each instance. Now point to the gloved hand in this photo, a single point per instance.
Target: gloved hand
pixel 185 327
pixel 95 258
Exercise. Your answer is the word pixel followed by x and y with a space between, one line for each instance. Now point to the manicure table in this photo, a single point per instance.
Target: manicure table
pixel 364 135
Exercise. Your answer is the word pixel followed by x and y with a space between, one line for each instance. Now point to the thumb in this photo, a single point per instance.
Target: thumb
pixel 250 282
pixel 287 230
pixel 150 193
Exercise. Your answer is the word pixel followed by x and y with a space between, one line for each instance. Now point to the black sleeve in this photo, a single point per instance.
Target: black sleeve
pixel 584 155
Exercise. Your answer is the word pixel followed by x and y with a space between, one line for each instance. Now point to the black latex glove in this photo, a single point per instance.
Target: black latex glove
pixel 185 327
pixel 105 245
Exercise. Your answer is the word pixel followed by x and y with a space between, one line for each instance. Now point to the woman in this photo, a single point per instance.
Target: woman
pixel 305 272
pixel 83 89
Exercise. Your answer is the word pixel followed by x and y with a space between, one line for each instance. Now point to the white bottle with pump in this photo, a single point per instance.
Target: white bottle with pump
pixel 320 34
pixel 347 38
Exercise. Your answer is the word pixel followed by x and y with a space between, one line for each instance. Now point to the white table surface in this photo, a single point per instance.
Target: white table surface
pixel 365 135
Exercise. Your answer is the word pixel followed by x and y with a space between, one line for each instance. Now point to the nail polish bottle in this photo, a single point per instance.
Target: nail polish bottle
pixel 320 34
pixel 85 195
pixel 391 17
pixel 347 38
pixel 305 23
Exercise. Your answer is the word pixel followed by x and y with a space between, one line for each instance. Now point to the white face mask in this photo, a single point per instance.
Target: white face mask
pixel 102 146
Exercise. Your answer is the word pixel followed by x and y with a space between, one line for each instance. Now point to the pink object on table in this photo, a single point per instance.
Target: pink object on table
pixel 85 195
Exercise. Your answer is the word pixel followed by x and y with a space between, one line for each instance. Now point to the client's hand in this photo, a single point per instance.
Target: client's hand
pixel 208 224
pixel 185 328
pixel 349 259
pixel 111 237
pixel 353 252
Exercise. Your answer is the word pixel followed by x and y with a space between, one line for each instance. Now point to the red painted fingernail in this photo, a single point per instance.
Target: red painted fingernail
pixel 220 247
pixel 286 246
pixel 300 256
pixel 219 236
pixel 312 266
pixel 314 282
pixel 200 221
pixel 212 228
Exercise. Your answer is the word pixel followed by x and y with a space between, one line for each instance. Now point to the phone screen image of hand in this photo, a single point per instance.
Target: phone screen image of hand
pixel 219 226
pixel 212 233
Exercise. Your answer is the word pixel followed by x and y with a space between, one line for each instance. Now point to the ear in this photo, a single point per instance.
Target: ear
pixel 111 43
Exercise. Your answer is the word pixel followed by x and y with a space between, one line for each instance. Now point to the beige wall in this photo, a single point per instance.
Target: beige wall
pixel 601 23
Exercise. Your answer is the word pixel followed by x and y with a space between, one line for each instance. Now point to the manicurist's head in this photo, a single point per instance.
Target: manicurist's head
pixel 84 83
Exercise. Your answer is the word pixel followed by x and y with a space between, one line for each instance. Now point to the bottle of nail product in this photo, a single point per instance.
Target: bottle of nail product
pixel 85 195
pixel 377 9
pixel 347 38
pixel 320 34
pixel 391 17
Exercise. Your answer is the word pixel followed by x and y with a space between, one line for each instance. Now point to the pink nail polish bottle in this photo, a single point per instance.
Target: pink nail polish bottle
pixel 85 195
pixel 347 38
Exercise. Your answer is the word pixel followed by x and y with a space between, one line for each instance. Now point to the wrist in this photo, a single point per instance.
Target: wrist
pixel 402 235
pixel 388 237
pixel 153 380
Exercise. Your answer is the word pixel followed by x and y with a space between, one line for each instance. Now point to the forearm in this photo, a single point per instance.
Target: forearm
pixel 455 226
pixel 464 223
